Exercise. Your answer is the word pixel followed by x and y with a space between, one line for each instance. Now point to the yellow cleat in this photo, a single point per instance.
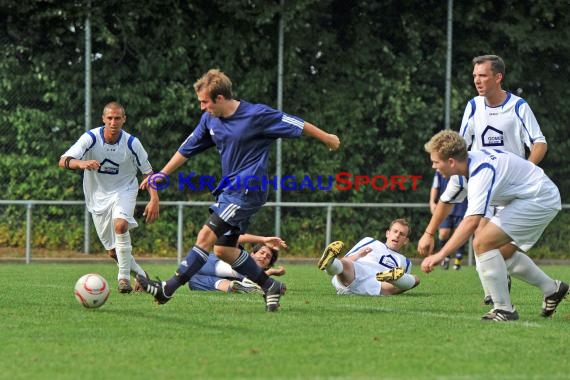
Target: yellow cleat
pixel 390 275
pixel 330 253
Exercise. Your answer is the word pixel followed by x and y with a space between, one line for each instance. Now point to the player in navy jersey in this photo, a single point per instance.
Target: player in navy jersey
pixel 529 201
pixel 450 223
pixel 371 268
pixel 111 158
pixel 219 275
pixel 242 133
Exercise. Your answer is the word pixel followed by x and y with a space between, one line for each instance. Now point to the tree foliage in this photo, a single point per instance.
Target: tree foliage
pixel 372 72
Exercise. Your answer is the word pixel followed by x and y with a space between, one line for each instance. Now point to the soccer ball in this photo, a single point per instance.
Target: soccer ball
pixel 91 290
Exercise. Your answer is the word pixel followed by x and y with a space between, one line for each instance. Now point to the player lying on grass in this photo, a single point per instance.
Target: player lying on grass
pixel 530 200
pixel 371 267
pixel 216 274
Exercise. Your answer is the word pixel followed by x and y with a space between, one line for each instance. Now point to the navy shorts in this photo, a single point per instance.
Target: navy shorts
pixel 203 282
pixel 236 208
pixel 451 222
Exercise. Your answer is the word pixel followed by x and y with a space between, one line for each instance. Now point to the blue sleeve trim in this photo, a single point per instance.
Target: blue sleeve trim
pixel 130 146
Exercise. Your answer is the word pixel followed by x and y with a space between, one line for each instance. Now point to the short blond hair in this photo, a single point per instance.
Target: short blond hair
pixel 215 83
pixel 449 144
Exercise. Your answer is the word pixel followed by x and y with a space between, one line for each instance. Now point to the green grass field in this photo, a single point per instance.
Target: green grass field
pixel 432 332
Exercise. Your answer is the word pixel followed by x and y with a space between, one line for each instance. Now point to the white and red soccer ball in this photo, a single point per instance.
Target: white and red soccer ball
pixel 91 290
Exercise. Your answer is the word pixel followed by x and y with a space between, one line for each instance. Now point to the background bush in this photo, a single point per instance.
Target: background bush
pixel 371 72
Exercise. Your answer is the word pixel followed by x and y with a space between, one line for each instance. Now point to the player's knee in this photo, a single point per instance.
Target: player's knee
pixel 217 225
pixel 206 238
pixel 121 226
pixel 228 240
pixel 481 245
pixel 444 234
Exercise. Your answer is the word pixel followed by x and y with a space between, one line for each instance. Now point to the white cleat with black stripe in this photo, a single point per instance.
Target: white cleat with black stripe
pixel 273 295
pixel 551 302
pixel 499 315
pixel 245 286
pixel 154 288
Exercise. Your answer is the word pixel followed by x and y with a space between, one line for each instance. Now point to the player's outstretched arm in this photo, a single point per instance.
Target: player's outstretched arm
pixel 426 242
pixel 175 162
pixel 465 229
pixel 152 208
pixel 274 242
pixel 359 254
pixel 330 140
pixel 277 271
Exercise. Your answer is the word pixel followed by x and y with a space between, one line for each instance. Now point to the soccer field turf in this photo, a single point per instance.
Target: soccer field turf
pixel 431 332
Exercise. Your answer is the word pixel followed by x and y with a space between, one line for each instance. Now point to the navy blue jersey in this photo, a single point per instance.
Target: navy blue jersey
pixel 243 141
pixel 440 182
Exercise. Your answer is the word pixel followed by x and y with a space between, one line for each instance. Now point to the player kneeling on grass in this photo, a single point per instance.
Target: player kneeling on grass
pixel 372 268
pixel 216 274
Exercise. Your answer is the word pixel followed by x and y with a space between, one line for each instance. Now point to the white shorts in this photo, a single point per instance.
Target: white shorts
pixel 524 220
pixel 364 283
pixel 121 208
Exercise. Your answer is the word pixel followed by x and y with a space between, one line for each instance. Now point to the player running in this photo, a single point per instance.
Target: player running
pixel 530 200
pixel 242 133
pixel 111 158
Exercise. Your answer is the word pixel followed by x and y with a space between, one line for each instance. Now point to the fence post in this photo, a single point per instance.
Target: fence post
pixel 329 224
pixel 86 242
pixel 29 206
pixel 179 242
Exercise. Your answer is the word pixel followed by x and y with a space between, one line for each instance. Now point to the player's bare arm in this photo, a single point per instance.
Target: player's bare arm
pixel 73 163
pixel 433 199
pixel 537 152
pixel 330 140
pixel 359 254
pixel 175 162
pixel 278 271
pixel 152 208
pixel 426 242
pixel 274 242
pixel 466 228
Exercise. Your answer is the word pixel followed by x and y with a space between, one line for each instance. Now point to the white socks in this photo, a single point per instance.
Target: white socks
pixel 406 282
pixel 335 267
pixel 493 274
pixel 125 260
pixel 522 267
pixel 485 290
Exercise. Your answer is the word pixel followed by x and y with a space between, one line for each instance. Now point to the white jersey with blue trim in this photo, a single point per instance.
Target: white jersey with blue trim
pixel 118 171
pixel 455 191
pixel 498 178
pixel 509 126
pixel 382 257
